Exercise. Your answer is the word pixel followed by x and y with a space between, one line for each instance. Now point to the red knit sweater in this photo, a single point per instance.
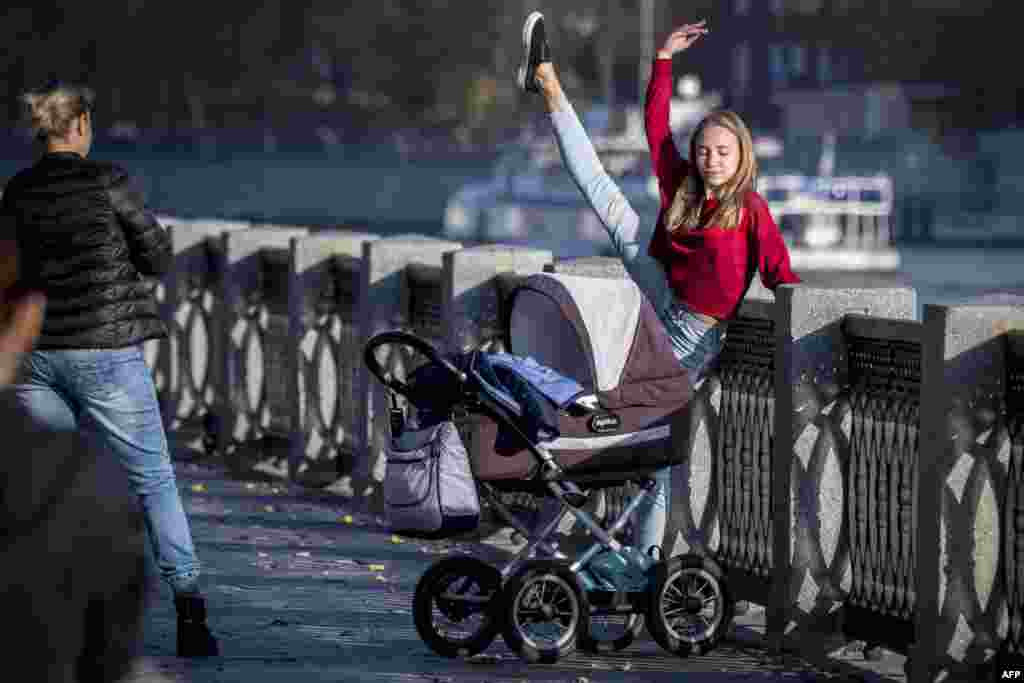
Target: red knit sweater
pixel 709 268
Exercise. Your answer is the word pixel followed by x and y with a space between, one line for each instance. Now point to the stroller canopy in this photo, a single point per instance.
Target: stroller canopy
pixel 601 332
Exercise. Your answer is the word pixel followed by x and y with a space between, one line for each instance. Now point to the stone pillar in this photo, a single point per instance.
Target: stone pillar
pixel 966 477
pixel 189 374
pixel 385 303
pixel 476 282
pixel 255 331
pixel 326 272
pixel 809 452
pixel 473 309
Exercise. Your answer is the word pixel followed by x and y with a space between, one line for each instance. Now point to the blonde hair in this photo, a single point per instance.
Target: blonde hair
pixel 685 211
pixel 52 109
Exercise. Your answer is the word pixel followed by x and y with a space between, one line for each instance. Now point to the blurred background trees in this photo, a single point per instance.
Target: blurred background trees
pixel 446 64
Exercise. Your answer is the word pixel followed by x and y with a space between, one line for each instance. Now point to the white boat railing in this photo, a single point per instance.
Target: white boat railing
pixel 852 195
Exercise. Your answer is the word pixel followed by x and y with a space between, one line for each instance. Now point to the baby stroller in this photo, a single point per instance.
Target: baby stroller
pixel 604 335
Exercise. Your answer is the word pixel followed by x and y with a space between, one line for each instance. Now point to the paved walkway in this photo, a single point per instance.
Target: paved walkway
pixel 300 589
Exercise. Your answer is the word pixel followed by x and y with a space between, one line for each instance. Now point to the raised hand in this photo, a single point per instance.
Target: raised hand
pixel 682 38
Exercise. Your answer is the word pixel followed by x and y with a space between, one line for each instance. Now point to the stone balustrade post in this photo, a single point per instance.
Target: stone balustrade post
pixel 326 271
pixel 188 372
pixel 967 531
pixel 386 303
pixel 473 309
pixel 255 330
pixel 476 284
pixel 811 569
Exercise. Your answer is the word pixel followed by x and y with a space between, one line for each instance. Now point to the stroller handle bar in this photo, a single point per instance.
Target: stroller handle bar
pixel 412 341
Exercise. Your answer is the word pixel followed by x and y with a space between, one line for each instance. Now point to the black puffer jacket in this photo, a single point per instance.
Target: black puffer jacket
pixel 86 239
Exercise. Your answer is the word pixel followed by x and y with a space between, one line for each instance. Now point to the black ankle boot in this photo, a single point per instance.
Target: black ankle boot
pixel 194 637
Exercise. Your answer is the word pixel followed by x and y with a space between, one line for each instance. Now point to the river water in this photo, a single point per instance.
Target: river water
pixel 373 190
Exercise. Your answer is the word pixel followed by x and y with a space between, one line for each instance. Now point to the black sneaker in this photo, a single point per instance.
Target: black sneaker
pixel 535 51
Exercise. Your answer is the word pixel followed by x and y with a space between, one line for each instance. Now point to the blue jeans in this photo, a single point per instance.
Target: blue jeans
pixel 695 343
pixel 108 395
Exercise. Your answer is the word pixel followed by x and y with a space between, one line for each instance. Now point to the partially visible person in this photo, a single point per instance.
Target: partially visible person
pixel 21 311
pixel 86 240
pixel 72 563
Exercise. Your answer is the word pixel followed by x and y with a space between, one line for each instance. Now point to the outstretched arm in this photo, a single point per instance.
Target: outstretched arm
pixel 669 166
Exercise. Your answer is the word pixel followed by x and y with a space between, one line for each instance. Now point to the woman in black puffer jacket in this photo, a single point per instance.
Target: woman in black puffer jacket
pixel 85 240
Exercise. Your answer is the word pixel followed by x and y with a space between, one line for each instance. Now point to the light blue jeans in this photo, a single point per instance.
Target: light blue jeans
pixel 694 342
pixel 108 395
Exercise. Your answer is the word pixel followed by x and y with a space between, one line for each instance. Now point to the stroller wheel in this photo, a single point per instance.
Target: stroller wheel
pixel 544 611
pixel 690 608
pixel 452 606
pixel 610 633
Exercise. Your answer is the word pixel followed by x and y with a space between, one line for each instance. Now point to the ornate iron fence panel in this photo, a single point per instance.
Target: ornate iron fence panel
pixel 330 358
pixel 191 332
pixel 742 461
pixel 257 339
pixel 194 345
pixel 884 397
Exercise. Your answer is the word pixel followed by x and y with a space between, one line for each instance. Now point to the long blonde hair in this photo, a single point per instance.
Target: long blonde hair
pixel 685 211
pixel 52 109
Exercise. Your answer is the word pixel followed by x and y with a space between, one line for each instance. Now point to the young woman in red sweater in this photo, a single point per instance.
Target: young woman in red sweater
pixel 713 231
